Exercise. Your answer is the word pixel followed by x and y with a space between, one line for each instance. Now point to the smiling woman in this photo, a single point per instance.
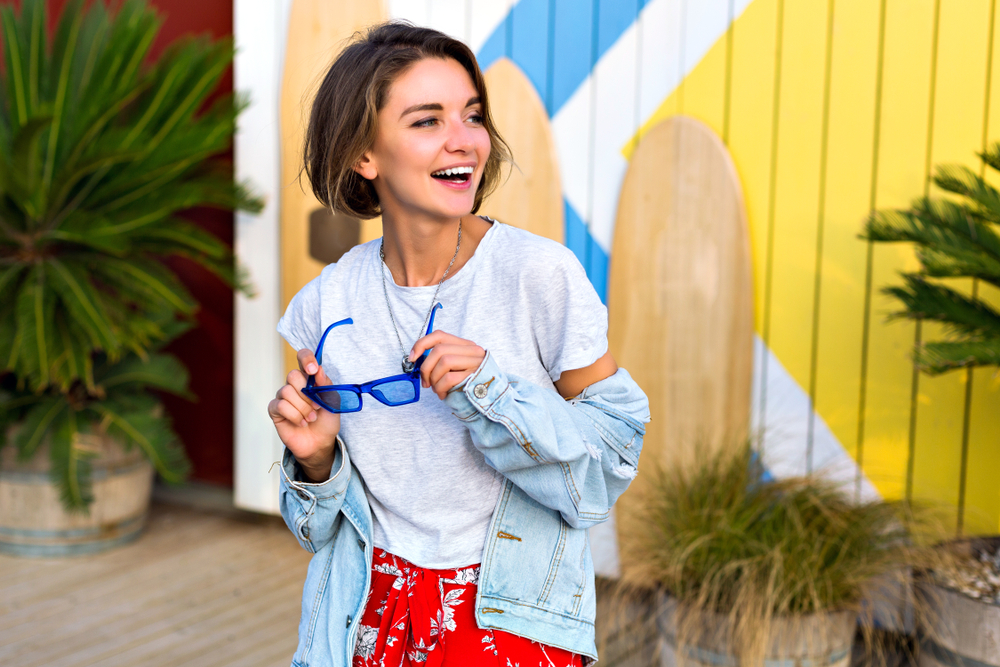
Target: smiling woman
pixel 432 125
pixel 482 492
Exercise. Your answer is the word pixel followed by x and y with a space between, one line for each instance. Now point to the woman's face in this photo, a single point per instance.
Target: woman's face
pixel 431 146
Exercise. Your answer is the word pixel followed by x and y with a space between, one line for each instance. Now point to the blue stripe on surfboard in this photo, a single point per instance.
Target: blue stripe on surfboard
pixel 525 37
pixel 586 249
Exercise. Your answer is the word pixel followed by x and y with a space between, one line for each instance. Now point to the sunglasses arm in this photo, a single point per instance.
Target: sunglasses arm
pixel 430 327
pixel 311 382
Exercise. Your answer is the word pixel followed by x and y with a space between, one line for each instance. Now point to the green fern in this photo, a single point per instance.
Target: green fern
pixel 957 237
pixel 99 152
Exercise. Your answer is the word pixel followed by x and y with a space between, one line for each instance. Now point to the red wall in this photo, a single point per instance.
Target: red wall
pixel 205 426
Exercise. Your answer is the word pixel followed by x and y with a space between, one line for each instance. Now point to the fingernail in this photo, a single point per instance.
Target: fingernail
pixel 411 356
pixel 303 423
pixel 311 369
pixel 312 416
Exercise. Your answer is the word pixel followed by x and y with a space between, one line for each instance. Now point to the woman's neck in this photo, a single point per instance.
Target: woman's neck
pixel 418 254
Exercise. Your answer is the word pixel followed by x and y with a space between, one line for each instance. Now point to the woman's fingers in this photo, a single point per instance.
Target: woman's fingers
pixel 434 339
pixel 445 359
pixel 298 379
pixel 447 382
pixel 451 359
pixel 306 429
pixel 307 361
pixel 298 401
pixel 282 410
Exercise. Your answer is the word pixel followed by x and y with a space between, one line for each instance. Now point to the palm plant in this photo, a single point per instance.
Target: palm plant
pixel 955 237
pixel 118 405
pixel 99 152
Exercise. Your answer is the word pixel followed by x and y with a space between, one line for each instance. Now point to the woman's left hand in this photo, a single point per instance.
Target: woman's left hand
pixel 451 360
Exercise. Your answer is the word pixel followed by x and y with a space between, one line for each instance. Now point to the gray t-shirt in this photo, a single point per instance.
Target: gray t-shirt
pixel 524 298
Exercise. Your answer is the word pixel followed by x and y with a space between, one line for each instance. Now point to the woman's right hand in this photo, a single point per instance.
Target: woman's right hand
pixel 309 431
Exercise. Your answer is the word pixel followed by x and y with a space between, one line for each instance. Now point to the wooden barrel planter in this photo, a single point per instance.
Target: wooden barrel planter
pixel 34 523
pixel 959 631
pixel 816 640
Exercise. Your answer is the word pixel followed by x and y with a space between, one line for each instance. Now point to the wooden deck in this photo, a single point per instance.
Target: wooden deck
pixel 207 586
pixel 199 589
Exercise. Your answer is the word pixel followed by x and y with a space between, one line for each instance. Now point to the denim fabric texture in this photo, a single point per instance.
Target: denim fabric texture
pixel 566 462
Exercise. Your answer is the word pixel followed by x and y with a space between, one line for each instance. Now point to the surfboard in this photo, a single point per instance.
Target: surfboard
pixel 311 237
pixel 680 296
pixel 531 196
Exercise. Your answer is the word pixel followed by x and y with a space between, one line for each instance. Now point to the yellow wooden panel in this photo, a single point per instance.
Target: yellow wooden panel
pixel 853 82
pixel 800 131
pixel 961 83
pixel 317 31
pixel 957 134
pixel 983 490
pixel 531 198
pixel 750 123
pixel 993 123
pixel 902 151
pixel 900 178
pixel 984 454
pixel 705 89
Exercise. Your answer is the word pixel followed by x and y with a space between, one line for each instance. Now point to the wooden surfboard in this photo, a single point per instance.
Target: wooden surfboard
pixel 531 198
pixel 680 296
pixel 312 237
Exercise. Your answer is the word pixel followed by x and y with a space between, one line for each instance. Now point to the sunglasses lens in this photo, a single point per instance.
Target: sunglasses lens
pixel 340 400
pixel 398 392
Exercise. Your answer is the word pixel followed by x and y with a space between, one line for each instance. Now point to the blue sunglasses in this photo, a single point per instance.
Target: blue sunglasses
pixel 392 391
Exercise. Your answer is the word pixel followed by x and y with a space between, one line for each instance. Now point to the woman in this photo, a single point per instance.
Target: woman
pixel 449 529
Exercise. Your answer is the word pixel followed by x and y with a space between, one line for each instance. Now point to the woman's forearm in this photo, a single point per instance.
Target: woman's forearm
pixel 575 456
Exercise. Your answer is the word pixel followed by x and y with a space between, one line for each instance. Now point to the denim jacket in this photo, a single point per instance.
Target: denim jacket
pixel 565 464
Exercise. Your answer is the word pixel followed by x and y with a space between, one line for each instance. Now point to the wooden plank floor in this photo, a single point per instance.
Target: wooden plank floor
pixel 198 589
pixel 208 587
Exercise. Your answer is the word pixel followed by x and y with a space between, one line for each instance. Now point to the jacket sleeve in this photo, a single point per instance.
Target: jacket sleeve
pixel 575 456
pixel 312 510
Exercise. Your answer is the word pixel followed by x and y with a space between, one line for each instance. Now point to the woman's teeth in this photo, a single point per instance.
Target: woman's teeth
pixel 458 174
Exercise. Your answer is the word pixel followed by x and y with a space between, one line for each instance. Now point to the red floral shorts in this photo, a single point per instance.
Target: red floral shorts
pixel 420 617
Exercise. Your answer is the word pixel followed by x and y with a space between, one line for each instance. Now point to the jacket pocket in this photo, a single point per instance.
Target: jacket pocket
pixel 557 579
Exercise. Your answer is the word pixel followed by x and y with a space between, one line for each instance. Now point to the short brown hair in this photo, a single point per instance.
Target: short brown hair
pixel 344 120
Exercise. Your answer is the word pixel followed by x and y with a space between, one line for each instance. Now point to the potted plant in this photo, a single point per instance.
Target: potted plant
pixel 960 601
pixel 100 149
pixel 753 570
pixel 955 237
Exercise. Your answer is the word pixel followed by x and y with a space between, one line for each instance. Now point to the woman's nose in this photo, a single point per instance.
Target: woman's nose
pixel 460 138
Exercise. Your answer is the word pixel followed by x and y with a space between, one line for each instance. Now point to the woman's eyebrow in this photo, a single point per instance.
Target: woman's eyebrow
pixel 434 106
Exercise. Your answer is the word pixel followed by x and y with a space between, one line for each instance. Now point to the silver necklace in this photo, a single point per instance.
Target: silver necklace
pixel 407 364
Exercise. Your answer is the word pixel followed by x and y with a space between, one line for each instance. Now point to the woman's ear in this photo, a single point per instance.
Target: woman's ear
pixel 365 167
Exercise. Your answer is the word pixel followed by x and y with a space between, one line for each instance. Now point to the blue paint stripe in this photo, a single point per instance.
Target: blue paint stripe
pixel 530 42
pixel 597 269
pixel 591 255
pixel 572 60
pixel 615 18
pixel 523 36
pixel 576 232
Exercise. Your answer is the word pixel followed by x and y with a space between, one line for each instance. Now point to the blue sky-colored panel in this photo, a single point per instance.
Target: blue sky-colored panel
pixel 524 37
pixel 586 249
pixel 572 58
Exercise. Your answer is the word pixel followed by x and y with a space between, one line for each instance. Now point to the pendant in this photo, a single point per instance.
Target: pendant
pixel 407 364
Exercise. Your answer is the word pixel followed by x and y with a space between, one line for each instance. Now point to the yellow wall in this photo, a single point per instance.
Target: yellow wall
pixel 821 134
